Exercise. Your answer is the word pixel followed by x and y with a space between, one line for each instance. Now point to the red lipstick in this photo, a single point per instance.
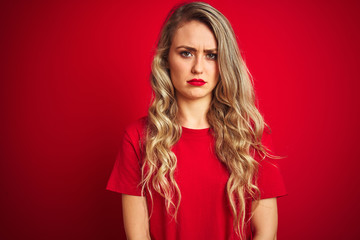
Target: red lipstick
pixel 196 82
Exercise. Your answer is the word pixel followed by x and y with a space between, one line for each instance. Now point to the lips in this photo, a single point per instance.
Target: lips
pixel 196 82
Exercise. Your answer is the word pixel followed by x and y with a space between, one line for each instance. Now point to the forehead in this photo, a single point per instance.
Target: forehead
pixel 195 34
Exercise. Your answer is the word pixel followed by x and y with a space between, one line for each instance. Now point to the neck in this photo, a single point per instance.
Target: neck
pixel 192 114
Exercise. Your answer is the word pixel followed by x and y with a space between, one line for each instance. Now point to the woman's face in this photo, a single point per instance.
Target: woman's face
pixel 192 60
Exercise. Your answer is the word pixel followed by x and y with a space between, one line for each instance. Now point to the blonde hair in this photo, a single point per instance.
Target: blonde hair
pixel 233 116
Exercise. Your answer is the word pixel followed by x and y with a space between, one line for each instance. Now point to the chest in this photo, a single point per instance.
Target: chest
pixel 199 171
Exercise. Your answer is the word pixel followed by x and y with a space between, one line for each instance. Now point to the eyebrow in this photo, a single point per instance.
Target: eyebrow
pixel 194 49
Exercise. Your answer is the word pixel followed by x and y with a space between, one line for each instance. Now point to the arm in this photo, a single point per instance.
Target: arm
pixel 136 217
pixel 265 219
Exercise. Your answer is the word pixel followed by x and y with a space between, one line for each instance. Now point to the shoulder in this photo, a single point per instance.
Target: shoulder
pixel 270 181
pixel 266 142
pixel 136 130
pixel 266 139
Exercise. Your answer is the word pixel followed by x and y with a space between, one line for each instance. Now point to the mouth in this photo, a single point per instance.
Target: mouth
pixel 196 82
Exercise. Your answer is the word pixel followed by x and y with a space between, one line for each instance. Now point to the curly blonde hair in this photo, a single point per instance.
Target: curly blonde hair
pixel 233 116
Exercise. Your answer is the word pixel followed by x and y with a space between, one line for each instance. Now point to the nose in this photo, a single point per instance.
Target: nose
pixel 197 67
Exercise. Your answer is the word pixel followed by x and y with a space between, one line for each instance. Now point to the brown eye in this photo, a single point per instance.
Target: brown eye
pixel 186 54
pixel 212 56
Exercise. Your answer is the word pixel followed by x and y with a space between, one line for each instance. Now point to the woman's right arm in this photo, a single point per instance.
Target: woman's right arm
pixel 136 217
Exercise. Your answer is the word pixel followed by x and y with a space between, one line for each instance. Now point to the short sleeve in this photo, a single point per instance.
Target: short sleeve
pixel 126 174
pixel 270 180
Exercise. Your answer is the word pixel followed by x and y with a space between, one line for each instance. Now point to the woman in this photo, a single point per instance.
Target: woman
pixel 195 167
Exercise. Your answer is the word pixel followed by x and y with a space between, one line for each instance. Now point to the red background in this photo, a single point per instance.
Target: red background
pixel 74 73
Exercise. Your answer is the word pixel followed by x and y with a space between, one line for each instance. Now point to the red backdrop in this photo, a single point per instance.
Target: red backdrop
pixel 74 73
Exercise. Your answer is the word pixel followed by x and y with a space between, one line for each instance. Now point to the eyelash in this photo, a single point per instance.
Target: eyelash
pixel 214 56
pixel 211 56
pixel 185 54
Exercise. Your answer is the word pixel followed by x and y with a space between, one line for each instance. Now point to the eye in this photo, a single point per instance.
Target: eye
pixel 186 54
pixel 212 56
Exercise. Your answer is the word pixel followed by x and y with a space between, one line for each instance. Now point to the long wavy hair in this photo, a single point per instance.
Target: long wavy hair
pixel 233 116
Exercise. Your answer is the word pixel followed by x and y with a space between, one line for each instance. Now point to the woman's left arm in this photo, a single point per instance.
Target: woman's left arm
pixel 265 219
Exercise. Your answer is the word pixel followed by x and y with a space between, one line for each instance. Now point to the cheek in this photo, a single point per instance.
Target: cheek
pixel 177 69
pixel 214 70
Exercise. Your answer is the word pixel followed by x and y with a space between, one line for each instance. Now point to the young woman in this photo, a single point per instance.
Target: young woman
pixel 196 167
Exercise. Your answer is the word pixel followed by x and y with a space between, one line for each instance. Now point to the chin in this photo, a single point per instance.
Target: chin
pixel 198 96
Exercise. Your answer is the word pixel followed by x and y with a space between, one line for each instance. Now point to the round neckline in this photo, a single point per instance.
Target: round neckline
pixel 201 131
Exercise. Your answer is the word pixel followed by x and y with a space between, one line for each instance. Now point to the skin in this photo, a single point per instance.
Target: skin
pixel 136 217
pixel 265 219
pixel 193 55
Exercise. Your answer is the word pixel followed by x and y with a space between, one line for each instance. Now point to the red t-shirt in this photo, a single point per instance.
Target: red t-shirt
pixel 204 211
